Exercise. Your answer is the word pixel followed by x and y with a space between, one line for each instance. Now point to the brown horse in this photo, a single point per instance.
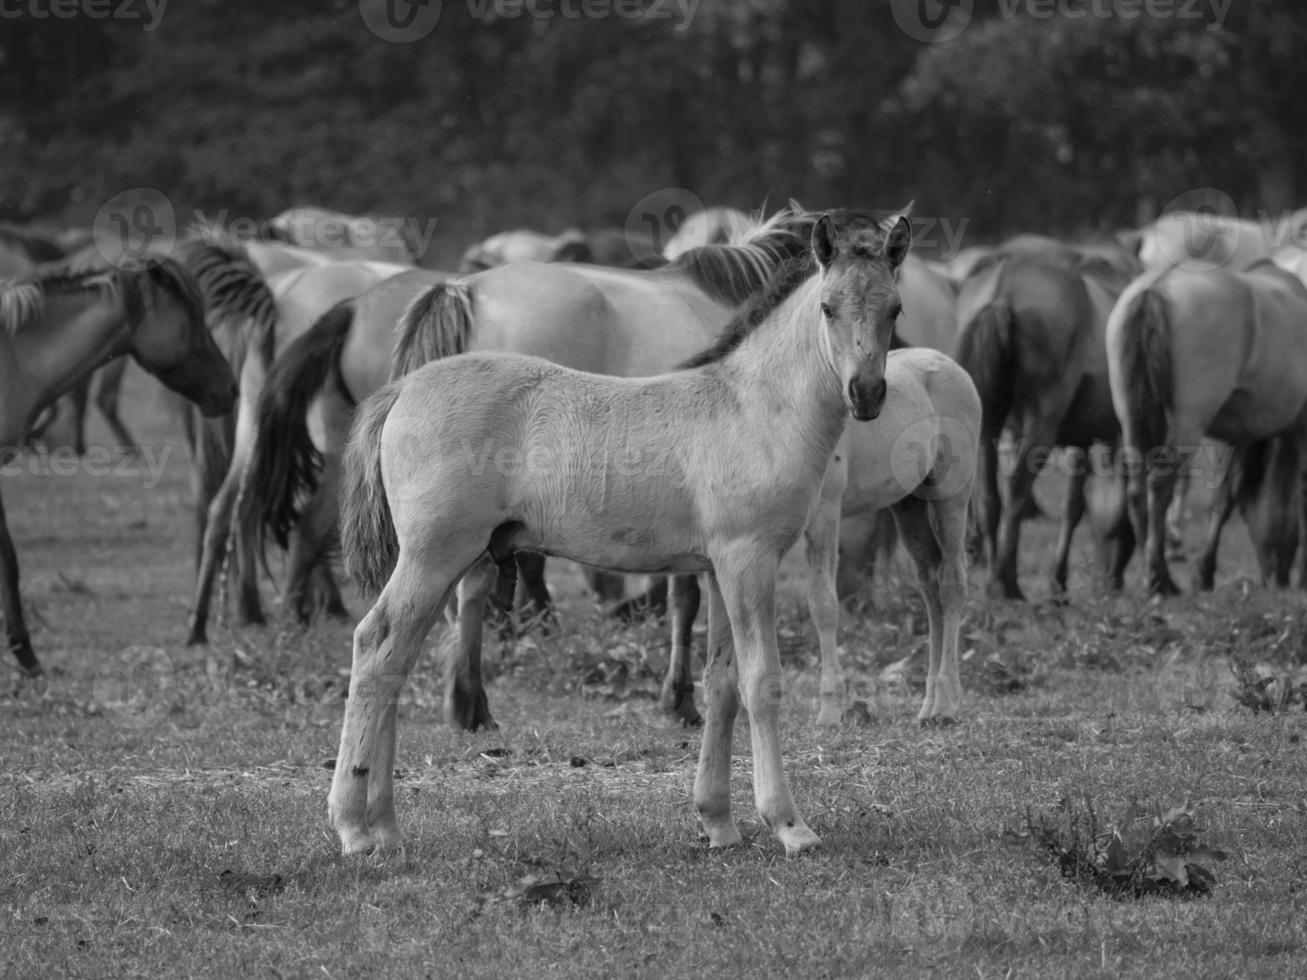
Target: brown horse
pixel 57 326
pixel 1033 342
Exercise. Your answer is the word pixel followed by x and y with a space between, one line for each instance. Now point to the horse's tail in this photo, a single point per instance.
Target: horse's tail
pixel 438 323
pixel 367 528
pixel 987 351
pixel 286 463
pixel 1146 367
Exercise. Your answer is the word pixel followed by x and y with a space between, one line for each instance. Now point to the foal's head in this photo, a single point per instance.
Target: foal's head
pixel 860 302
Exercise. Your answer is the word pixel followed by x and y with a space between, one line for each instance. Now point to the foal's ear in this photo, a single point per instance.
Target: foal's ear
pixel 823 241
pixel 897 242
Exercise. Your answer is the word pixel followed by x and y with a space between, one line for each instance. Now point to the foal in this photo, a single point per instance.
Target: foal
pixel 714 469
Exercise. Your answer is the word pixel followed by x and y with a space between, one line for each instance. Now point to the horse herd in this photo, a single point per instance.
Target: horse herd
pixel 681 414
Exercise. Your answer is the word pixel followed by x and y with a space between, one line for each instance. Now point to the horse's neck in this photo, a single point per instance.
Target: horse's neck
pixel 784 366
pixel 78 333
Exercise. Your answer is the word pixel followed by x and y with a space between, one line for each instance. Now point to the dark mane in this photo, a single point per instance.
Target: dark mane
pixel 792 273
pixel 241 307
pixel 731 274
pixel 38 247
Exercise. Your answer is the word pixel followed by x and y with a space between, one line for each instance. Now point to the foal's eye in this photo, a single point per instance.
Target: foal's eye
pixel 825 311
pixel 896 311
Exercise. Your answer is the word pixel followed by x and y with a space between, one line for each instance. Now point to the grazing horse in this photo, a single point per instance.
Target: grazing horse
pixel 1033 342
pixel 714 469
pixel 1195 353
pixel 57 326
pixel 301 296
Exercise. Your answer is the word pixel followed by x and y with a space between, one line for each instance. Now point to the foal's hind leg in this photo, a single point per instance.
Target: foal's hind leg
pixel 822 538
pixel 537 601
pixel 466 706
pixel 913 516
pixel 386 645
pixel 677 698
pixel 1221 509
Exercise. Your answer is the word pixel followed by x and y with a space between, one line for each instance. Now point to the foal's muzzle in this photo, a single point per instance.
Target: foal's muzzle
pixel 866 398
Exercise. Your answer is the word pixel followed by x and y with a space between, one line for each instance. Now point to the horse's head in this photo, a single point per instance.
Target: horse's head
pixel 860 301
pixel 171 340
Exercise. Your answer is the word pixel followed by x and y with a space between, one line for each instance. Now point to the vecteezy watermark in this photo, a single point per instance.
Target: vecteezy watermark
pixel 936 21
pixel 146 463
pixel 310 228
pixel 406 21
pixel 134 227
pixel 135 687
pixel 934 458
pixel 931 916
pixel 1207 459
pixel 1201 229
pixel 149 12
pixel 658 218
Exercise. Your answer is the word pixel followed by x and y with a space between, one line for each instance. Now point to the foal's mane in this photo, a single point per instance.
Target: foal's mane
pixel 22 301
pixel 792 273
pixel 37 246
pixel 235 294
pixel 731 273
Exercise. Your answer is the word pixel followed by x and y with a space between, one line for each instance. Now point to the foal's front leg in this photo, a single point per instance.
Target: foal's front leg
pixel 748 582
pixel 712 781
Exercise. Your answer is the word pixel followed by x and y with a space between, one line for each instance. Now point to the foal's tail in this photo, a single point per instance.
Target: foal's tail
pixel 286 463
pixel 1146 367
pixel 438 323
pixel 987 351
pixel 367 528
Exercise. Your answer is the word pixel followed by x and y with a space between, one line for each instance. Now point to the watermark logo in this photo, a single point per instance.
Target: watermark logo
pixel 150 12
pixel 400 21
pixel 134 227
pixel 135 687
pixel 1196 230
pixel 657 219
pixel 932 21
pixel 934 458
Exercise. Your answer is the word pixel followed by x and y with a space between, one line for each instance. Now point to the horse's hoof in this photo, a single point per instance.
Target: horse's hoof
pixel 723 834
pixel 199 637
pixel 937 721
pixel 797 838
pixel 830 716
pixel 468 712
pixel 678 702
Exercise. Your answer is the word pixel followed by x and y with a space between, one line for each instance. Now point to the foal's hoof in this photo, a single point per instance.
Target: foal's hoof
pixel 723 835
pixel 199 637
pixel 830 716
pixel 797 839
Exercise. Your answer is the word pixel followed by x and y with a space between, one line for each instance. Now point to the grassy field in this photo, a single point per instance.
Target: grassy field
pixel 163 809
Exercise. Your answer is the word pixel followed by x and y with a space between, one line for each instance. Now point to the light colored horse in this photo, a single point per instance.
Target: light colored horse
pixel 302 296
pixel 55 327
pixel 1195 353
pixel 713 469
pixel 605 246
pixel 713 226
pixel 1033 342
pixel 1199 241
pixel 315 384
pixel 344 237
pixel 608 321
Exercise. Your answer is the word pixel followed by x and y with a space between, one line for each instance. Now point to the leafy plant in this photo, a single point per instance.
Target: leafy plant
pixel 1128 859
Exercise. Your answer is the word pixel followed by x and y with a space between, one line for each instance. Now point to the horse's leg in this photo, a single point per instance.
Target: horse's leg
pixel 108 390
pixel 466 706
pixel 950 528
pixel 212 554
pixel 712 780
pixel 989 502
pixel 386 645
pixel 499 612
pixel 913 516
pixel 249 608
pixel 16 635
pixel 536 599
pixel 748 583
pixel 1122 536
pixel 1038 433
pixel 1161 483
pixel 822 538
pixel 677 697
pixel 309 582
pixel 1175 516
pixel 1073 511
pixel 80 397
pixel 1222 507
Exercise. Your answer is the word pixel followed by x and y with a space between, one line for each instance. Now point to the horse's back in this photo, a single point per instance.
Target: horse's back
pixel 365 360
pixel 929 306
